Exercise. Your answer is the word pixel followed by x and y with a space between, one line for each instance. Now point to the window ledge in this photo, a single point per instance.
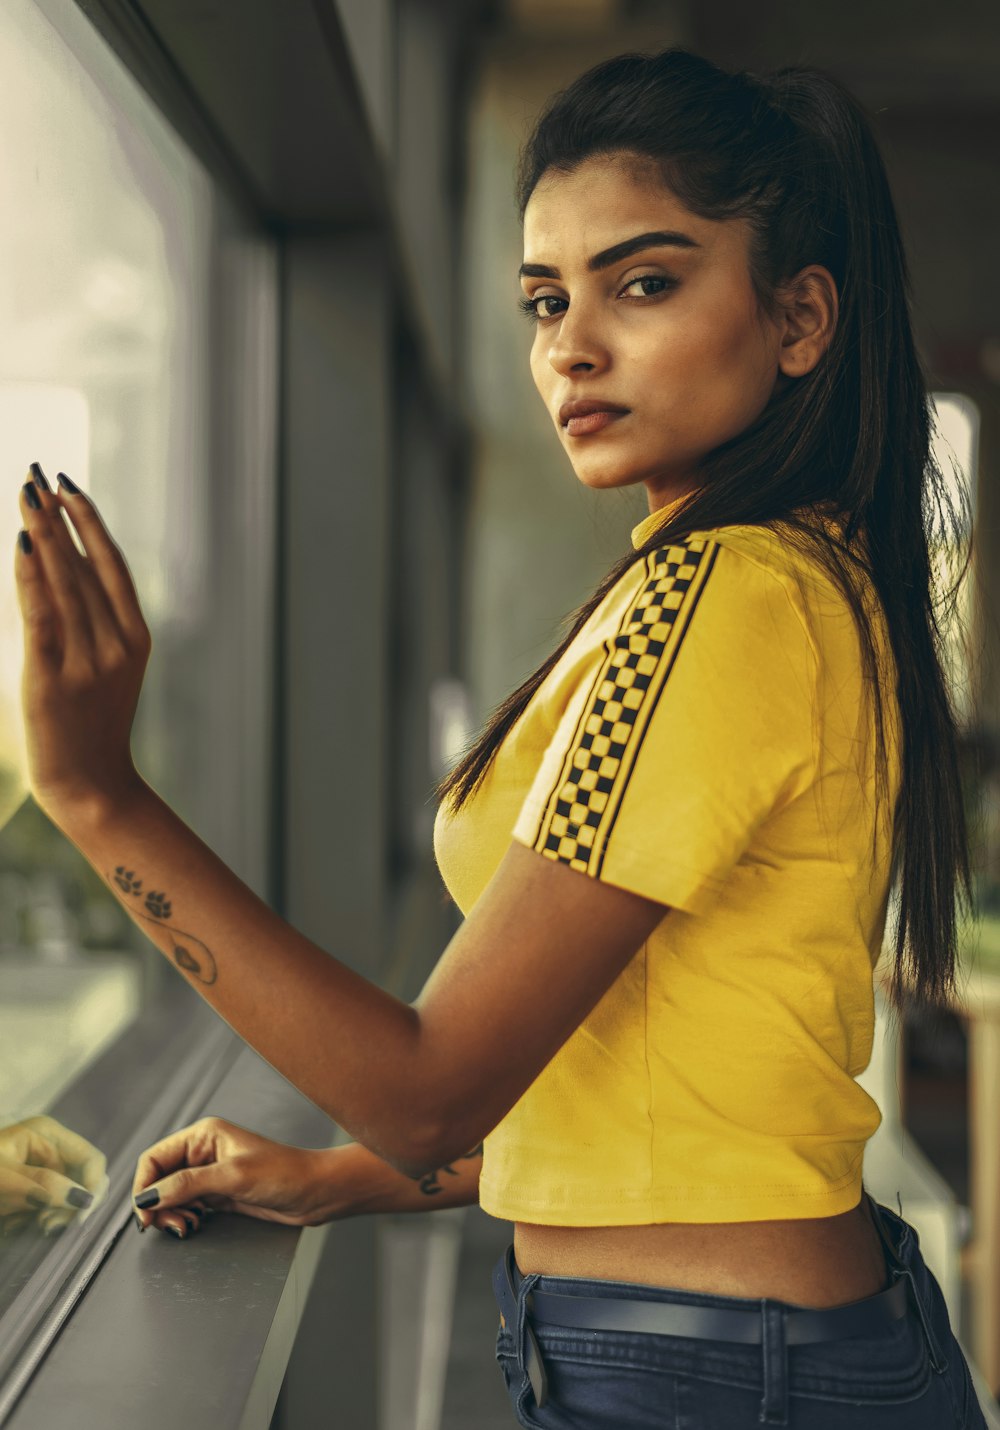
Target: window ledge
pixel 195 1332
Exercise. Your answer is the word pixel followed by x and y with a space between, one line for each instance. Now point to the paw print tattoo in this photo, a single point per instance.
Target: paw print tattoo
pixel 158 905
pixel 191 955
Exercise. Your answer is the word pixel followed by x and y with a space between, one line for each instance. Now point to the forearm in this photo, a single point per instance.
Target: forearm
pixel 348 1045
pixel 361 1182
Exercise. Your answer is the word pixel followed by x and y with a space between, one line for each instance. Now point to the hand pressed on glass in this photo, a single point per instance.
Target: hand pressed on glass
pixel 86 646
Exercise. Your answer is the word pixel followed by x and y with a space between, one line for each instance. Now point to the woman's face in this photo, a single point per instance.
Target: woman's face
pixel 665 327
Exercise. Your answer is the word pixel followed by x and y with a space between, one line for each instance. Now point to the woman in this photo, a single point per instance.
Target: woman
pixel 674 844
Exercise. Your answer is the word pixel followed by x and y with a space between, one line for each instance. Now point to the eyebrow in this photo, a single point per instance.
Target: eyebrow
pixel 661 239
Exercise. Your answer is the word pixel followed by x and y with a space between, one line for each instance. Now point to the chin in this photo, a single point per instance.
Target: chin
pixel 605 480
pixel 602 475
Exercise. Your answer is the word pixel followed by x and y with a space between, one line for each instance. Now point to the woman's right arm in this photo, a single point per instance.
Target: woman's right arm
pixel 361 1182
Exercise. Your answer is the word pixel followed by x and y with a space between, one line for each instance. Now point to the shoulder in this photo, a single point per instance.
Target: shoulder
pixel 749 561
pixel 726 585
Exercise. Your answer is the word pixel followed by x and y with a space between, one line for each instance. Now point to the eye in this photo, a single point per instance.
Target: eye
pixel 651 278
pixel 529 306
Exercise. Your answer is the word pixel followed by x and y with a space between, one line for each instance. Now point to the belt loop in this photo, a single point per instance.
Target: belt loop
pixel 938 1362
pixel 897 1268
pixel 774 1359
pixel 527 1350
pixel 523 1292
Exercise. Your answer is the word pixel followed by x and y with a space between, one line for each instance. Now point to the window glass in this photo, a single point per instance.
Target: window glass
pixel 956 443
pixel 110 292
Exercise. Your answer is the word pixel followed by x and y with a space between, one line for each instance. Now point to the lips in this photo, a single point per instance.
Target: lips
pixel 585 407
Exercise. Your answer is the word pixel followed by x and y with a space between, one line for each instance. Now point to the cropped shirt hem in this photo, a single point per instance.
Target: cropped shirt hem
pixel 569 1206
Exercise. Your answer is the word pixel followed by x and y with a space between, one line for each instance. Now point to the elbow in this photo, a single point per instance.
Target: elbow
pixel 420 1158
pixel 413 1162
pixel 416 1168
pixel 441 1149
pixel 416 1155
pixel 445 1150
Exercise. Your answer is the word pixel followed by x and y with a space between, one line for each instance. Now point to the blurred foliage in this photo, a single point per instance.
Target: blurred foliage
pixel 30 844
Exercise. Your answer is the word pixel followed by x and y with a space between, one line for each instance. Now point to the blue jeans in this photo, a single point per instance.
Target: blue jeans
pixel 910 1376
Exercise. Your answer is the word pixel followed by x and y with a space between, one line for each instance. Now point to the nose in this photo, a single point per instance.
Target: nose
pixel 576 344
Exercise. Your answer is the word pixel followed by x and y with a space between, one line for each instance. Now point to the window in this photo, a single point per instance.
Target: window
pixel 138 355
pixel 955 446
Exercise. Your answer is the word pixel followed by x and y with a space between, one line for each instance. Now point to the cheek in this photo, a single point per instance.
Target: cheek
pixel 542 373
pixel 713 364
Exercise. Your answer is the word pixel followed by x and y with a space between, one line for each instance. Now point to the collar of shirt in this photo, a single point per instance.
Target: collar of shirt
pixel 825 511
pixel 654 521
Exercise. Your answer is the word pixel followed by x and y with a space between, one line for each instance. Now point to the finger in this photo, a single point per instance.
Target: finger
pixel 59 1192
pixel 61 1147
pixel 109 563
pixel 64 532
pixel 61 586
pixel 22 1190
pixel 180 1216
pixel 178 1190
pixel 191 1146
pixel 65 539
pixel 180 1220
pixel 43 632
pixel 24 1144
pixel 54 1220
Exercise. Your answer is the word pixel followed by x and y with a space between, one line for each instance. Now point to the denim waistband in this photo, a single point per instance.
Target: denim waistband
pixel 772 1324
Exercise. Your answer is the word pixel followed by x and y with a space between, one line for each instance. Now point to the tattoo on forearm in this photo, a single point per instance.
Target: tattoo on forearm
pixel 429 1183
pixel 191 955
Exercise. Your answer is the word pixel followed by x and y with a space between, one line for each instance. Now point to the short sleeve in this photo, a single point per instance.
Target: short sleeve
pixel 692 723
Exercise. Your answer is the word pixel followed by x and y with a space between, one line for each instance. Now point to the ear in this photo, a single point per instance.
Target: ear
pixel 809 319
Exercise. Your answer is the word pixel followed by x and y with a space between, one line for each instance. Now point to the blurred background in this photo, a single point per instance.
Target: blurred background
pixel 258 298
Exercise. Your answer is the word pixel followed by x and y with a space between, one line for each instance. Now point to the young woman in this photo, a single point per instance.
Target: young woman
pixel 674 844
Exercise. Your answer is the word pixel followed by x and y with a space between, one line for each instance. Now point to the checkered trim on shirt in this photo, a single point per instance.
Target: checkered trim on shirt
pixel 579 815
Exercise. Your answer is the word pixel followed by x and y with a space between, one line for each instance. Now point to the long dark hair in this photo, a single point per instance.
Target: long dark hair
pixel 793 153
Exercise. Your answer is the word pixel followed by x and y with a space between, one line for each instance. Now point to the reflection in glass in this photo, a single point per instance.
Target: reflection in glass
pixel 105 306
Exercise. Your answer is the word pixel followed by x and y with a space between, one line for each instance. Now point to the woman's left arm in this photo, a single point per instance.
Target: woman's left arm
pixel 416 1083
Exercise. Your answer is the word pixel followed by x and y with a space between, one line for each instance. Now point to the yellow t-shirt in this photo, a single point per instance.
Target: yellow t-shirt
pixel 700 742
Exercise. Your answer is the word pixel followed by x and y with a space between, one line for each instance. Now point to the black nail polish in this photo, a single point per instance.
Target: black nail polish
pixel 25 541
pixel 174 1232
pixel 31 493
pixel 148 1198
pixel 77 1197
pixel 40 477
pixel 138 1221
pixel 35 1199
pixel 64 481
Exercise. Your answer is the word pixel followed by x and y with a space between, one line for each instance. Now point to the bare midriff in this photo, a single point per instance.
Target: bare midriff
pixel 817 1262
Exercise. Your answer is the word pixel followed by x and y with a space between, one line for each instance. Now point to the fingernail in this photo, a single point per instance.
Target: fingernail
pixel 31 494
pixel 64 481
pixel 138 1221
pixel 25 541
pixel 35 1199
pixel 77 1197
pixel 148 1198
pixel 40 477
pixel 174 1232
